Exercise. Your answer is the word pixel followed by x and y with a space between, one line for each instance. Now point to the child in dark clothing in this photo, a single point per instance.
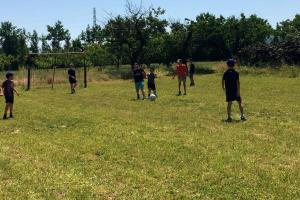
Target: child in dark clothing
pixel 72 79
pixel 231 85
pixel 138 76
pixel 8 91
pixel 151 82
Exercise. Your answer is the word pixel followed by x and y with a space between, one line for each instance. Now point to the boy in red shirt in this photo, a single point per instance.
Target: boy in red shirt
pixel 181 72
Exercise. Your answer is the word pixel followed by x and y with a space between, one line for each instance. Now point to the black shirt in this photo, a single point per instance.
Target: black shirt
pixel 192 69
pixel 151 78
pixel 8 88
pixel 138 75
pixel 231 78
pixel 72 72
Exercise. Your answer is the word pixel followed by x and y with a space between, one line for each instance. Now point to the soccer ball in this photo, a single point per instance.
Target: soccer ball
pixel 152 97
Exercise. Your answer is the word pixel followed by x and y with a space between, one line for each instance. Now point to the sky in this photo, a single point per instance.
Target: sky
pixel 77 14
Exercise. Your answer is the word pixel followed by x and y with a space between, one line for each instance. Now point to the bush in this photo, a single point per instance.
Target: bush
pixel 204 70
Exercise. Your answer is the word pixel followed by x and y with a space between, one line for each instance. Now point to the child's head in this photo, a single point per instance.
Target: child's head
pixel 9 76
pixel 230 63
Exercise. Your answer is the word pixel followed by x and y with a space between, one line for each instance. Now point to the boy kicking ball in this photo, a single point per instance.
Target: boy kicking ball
pixel 231 86
pixel 151 82
pixel 8 88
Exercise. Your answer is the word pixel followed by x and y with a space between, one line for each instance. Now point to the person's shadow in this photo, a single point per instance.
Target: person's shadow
pixel 234 121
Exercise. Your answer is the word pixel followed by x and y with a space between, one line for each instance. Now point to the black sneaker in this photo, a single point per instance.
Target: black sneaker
pixel 5 117
pixel 184 94
pixel 11 116
pixel 179 93
pixel 138 96
pixel 243 118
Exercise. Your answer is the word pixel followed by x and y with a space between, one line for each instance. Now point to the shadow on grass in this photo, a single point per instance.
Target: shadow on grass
pixel 234 121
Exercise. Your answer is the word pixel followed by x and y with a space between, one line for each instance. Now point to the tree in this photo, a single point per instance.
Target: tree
pixel 34 42
pixel 13 43
pixel 288 30
pixel 45 46
pixel 92 35
pixel 132 32
pixel 57 34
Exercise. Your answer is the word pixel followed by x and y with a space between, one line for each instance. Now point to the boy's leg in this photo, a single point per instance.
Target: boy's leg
pixel 6 110
pixel 138 93
pixel 179 86
pixel 242 110
pixel 229 110
pixel 149 91
pixel 184 86
pixel 11 110
pixel 144 94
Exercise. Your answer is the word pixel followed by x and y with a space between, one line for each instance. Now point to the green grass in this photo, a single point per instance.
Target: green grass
pixel 103 144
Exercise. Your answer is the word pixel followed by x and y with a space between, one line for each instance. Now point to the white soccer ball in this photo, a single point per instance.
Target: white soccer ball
pixel 152 97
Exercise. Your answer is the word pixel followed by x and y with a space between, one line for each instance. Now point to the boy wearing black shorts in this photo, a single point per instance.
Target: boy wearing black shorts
pixel 72 79
pixel 8 91
pixel 138 76
pixel 231 86
pixel 151 82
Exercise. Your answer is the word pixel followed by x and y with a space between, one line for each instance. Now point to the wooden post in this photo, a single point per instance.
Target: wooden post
pixel 28 77
pixel 53 75
pixel 85 74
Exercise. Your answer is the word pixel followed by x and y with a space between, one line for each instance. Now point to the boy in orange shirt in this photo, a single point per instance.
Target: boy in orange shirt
pixel 181 72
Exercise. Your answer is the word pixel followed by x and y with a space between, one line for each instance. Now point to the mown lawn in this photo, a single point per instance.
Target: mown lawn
pixel 103 144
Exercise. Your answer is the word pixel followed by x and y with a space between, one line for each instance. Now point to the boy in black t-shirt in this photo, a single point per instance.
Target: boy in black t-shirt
pixel 72 79
pixel 138 76
pixel 151 82
pixel 192 72
pixel 8 91
pixel 231 85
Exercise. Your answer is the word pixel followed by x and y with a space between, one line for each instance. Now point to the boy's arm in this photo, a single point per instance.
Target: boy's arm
pixel 13 86
pixel 223 84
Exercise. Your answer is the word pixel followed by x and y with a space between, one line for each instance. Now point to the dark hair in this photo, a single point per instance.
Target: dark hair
pixel 9 74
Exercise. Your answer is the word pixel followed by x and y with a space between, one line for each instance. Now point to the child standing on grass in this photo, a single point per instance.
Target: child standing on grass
pixel 192 72
pixel 72 79
pixel 231 86
pixel 181 72
pixel 8 91
pixel 151 82
pixel 138 76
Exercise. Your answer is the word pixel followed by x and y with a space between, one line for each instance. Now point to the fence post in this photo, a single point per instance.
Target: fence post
pixel 85 74
pixel 28 77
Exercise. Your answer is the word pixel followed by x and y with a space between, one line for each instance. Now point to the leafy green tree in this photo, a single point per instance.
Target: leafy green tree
pixel 288 30
pixel 98 55
pixel 34 42
pixel 45 46
pixel 131 33
pixel 77 45
pixel 92 35
pixel 57 34
pixel 13 43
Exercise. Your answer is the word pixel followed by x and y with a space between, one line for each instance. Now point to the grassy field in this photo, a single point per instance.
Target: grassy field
pixel 103 144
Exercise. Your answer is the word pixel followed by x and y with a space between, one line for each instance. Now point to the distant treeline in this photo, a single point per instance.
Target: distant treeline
pixel 143 35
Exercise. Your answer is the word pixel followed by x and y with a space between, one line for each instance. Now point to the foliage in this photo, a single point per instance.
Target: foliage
pixel 144 35
pixel 57 34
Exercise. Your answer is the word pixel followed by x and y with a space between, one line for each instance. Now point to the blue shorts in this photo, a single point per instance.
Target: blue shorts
pixel 139 85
